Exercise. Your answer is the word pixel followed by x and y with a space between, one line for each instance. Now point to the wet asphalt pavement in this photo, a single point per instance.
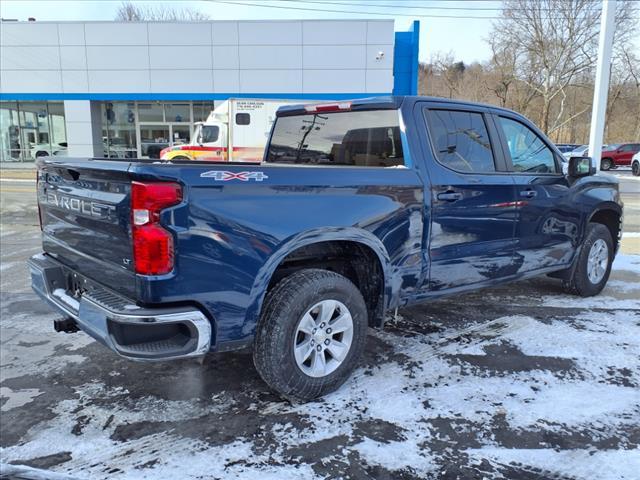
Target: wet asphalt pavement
pixel 519 381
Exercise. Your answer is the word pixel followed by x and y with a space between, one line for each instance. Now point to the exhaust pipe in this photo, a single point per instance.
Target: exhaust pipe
pixel 66 325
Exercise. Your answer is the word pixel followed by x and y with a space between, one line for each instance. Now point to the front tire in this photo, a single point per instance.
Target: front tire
pixel 311 334
pixel 594 262
pixel 635 169
pixel 606 164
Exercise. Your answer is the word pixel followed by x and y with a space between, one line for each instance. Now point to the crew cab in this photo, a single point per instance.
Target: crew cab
pixel 358 207
pixel 618 155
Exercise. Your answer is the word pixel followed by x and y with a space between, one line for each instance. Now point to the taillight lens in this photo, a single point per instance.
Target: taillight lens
pixel 153 249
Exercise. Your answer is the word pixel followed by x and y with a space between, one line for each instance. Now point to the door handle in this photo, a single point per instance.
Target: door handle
pixel 449 196
pixel 528 193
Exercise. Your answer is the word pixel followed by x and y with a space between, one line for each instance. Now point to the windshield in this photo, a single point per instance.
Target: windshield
pixel 369 138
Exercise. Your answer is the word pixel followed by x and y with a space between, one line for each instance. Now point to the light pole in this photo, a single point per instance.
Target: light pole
pixel 601 90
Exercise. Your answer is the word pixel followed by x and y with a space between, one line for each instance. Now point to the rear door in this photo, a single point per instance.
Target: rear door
pixel 472 197
pixel 547 221
pixel 85 214
pixel 626 152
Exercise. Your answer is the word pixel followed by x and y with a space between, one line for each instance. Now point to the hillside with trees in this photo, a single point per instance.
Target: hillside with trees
pixel 543 66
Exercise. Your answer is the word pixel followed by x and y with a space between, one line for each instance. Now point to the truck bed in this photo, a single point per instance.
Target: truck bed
pixel 229 228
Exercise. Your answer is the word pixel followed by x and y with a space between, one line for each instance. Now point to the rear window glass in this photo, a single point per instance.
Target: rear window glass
pixel 365 139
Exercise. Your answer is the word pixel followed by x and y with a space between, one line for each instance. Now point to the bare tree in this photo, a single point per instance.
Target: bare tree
pixel 554 41
pixel 449 70
pixel 129 12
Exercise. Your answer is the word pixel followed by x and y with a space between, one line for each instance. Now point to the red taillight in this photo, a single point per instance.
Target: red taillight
pixel 329 107
pixel 152 244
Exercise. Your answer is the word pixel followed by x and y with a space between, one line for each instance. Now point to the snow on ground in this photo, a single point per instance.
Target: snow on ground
pixel 515 382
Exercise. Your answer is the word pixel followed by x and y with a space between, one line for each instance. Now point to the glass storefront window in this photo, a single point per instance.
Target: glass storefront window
pixel 31 129
pixel 10 146
pixel 56 123
pixel 181 134
pixel 154 138
pixel 150 112
pixel 34 127
pixel 201 110
pixel 119 124
pixel 177 112
pixel 129 129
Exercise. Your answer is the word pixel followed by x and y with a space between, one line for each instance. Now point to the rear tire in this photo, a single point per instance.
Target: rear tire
pixel 635 169
pixel 593 265
pixel 180 157
pixel 295 304
pixel 606 164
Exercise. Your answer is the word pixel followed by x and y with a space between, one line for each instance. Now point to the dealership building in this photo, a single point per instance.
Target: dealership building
pixel 124 89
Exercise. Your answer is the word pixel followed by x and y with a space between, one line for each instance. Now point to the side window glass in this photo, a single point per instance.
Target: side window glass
pixel 210 133
pixel 461 140
pixel 243 118
pixel 528 152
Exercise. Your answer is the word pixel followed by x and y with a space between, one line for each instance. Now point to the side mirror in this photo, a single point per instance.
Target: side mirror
pixel 580 167
pixel 199 139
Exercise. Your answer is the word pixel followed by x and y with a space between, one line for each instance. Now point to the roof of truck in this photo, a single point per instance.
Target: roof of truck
pixel 390 102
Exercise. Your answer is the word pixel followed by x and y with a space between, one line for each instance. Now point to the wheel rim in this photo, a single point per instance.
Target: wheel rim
pixel 323 338
pixel 597 262
pixel 635 169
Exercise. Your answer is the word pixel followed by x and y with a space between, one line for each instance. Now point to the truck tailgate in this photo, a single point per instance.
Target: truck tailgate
pixel 85 215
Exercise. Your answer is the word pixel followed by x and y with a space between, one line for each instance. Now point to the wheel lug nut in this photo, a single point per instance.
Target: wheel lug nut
pixel 319 347
pixel 313 342
pixel 326 342
pixel 329 330
pixel 314 330
pixel 322 325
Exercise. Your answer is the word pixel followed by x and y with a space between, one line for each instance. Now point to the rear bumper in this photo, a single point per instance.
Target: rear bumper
pixel 133 332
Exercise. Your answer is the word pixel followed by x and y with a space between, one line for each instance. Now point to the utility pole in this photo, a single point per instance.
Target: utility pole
pixel 601 90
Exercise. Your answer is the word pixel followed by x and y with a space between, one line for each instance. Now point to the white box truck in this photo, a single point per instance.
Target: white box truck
pixel 237 130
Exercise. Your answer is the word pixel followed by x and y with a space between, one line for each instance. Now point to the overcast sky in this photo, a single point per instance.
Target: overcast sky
pixel 443 26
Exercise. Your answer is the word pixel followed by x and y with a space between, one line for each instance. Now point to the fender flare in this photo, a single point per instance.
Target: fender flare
pixel 608 205
pixel 309 237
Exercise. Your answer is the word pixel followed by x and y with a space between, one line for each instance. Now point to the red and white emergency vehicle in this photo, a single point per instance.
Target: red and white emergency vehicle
pixel 237 130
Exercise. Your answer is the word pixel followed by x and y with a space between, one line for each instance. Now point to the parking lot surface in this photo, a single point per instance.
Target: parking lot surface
pixel 520 381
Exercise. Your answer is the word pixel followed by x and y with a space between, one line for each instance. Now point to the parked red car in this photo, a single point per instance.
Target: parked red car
pixel 618 155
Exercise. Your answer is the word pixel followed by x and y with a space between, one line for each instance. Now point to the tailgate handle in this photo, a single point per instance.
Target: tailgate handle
pixel 69 173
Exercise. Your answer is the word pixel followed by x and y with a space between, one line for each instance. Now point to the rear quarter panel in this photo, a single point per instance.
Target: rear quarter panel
pixel 231 235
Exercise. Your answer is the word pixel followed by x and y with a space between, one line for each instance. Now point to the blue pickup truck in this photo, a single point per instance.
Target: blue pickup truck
pixel 357 208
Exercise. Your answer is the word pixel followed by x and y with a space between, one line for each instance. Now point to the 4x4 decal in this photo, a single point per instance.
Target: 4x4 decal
pixel 224 176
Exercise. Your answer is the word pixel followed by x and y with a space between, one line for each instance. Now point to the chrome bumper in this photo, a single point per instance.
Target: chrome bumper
pixel 131 331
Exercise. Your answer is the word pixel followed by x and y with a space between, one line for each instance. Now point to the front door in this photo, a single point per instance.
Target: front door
pixel 547 218
pixel 473 210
